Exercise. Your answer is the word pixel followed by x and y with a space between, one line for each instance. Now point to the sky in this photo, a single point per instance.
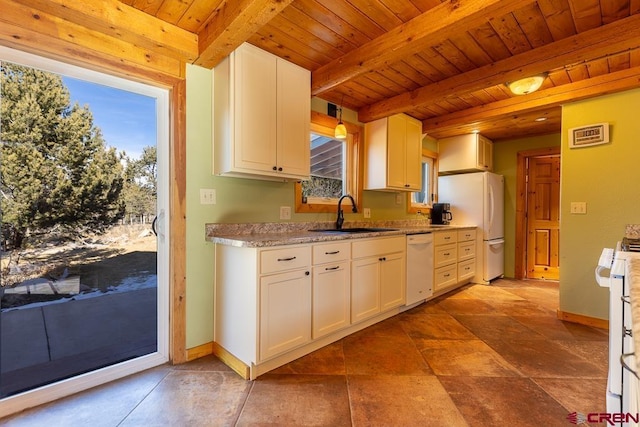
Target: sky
pixel 127 120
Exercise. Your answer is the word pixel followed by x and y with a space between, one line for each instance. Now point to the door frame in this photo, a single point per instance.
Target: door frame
pixel 521 206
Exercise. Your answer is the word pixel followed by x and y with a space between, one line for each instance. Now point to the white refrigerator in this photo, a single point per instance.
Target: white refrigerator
pixel 478 199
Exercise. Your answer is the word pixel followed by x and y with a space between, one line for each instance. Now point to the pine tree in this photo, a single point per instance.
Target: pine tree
pixel 140 189
pixel 55 168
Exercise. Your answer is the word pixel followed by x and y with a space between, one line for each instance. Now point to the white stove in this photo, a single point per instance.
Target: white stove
pixel 622 384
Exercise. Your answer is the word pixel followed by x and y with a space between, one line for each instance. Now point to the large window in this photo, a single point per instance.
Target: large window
pixel 335 168
pixel 421 201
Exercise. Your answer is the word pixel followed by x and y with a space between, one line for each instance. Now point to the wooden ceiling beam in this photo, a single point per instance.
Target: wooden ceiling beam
pixel 116 19
pixel 612 38
pixel 432 27
pixel 589 88
pixel 25 28
pixel 231 24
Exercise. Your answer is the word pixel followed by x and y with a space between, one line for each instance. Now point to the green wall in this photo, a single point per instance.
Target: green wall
pixel 505 159
pixel 606 177
pixel 238 200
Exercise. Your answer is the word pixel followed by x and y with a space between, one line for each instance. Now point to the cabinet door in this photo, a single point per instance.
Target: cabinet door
pixel 254 109
pixel 331 298
pixel 365 290
pixel 392 281
pixel 285 312
pixel 485 153
pixel 413 150
pixel 294 119
pixel 396 151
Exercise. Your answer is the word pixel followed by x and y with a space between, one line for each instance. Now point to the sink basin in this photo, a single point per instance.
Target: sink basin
pixel 353 230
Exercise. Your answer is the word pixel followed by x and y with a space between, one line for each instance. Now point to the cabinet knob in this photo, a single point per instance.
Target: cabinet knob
pixel 279 169
pixel 306 273
pixel 275 168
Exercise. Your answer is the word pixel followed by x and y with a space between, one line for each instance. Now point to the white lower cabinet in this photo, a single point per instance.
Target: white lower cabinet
pixel 285 312
pixel 273 305
pixel 454 259
pixel 377 276
pixel 331 288
pixel 365 288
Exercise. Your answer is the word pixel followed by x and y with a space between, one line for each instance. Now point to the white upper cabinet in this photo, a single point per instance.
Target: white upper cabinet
pixel 465 153
pixel 261 110
pixel 393 154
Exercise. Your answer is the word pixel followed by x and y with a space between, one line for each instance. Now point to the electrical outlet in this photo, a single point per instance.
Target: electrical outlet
pixel 285 212
pixel 367 212
pixel 207 196
pixel 579 208
pixel 398 198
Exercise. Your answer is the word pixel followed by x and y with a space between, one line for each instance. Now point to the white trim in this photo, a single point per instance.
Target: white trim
pixel 60 389
pixel 82 382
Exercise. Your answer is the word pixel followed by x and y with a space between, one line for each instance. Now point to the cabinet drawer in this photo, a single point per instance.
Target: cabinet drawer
pixel 466 269
pixel 445 277
pixel 378 246
pixel 331 252
pixel 444 237
pixel 445 255
pixel 466 250
pixel 275 260
pixel 466 235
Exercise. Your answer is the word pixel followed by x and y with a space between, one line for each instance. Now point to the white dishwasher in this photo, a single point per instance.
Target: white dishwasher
pixel 419 267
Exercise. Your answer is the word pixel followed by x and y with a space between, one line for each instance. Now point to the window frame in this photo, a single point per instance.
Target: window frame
pixel 424 208
pixel 324 125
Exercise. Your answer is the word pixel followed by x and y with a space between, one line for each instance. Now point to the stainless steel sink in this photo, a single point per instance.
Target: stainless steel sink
pixel 353 230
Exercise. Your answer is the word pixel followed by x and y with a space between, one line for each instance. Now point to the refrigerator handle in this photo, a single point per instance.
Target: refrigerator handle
pixel 495 242
pixel 491 208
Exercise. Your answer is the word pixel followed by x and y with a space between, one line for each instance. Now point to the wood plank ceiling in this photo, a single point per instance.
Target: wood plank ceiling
pixel 443 62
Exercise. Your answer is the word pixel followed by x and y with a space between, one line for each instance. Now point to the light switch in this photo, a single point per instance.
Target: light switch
pixel 579 208
pixel 207 196
pixel 285 212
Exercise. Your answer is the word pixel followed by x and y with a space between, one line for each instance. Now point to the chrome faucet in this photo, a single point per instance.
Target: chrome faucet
pixel 340 219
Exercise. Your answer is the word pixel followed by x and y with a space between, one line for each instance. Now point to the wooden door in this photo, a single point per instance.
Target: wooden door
pixel 543 218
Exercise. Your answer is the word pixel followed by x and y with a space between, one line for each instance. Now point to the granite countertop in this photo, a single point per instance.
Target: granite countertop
pixel 257 235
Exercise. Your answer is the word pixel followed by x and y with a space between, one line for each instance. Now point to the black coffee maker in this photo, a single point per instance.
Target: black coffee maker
pixel 441 213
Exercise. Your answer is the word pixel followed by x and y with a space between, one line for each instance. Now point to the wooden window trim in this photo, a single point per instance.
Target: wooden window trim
pixel 425 210
pixel 326 124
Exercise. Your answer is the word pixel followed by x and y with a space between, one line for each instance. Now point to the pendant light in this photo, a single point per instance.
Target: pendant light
pixel 341 130
pixel 526 85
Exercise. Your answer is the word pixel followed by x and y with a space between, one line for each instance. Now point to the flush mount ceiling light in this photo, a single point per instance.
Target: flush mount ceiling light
pixel 526 85
pixel 341 130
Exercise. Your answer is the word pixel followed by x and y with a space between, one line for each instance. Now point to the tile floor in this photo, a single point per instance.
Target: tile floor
pixel 480 356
